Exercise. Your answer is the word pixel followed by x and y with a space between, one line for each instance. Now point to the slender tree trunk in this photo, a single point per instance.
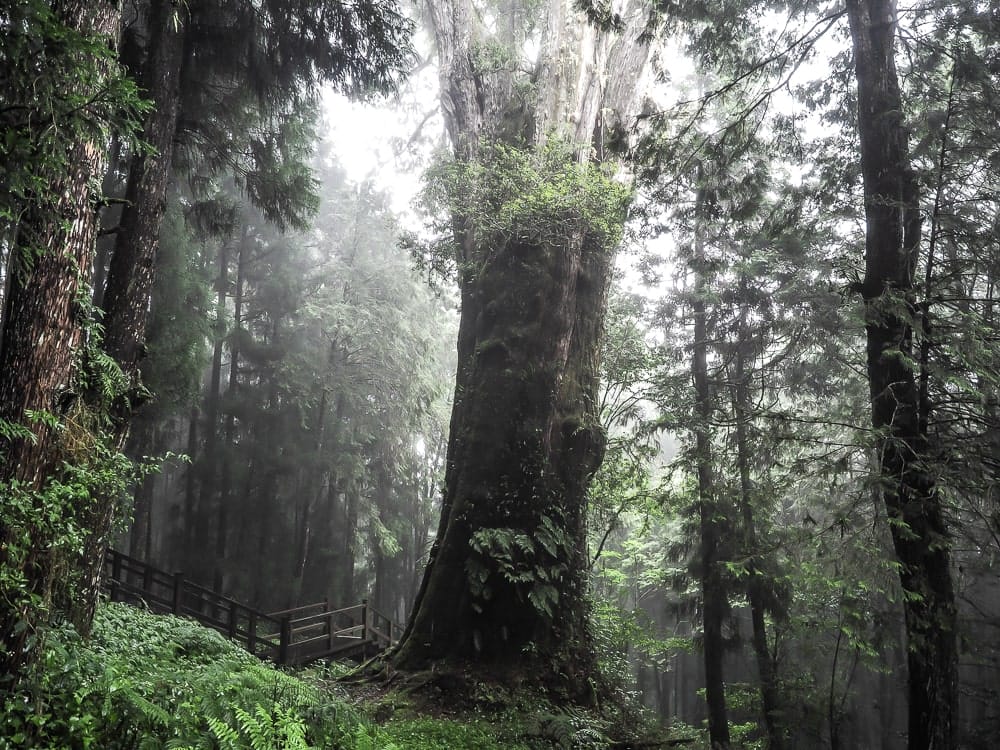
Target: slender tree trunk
pixel 713 589
pixel 346 587
pixel 311 495
pixel 208 466
pixel 142 442
pixel 382 591
pixel 226 494
pixel 317 560
pixel 766 668
pixel 43 331
pixel 267 503
pixel 905 454
pixel 189 517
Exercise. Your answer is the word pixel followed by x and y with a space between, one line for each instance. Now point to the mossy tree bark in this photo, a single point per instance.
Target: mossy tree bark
pixel 506 580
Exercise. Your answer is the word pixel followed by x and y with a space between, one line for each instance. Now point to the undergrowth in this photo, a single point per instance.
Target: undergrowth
pixel 157 682
pixel 145 682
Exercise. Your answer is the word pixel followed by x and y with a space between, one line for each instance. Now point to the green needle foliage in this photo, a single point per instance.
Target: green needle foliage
pixel 55 89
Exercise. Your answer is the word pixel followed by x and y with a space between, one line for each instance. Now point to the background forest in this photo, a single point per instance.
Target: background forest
pixel 768 512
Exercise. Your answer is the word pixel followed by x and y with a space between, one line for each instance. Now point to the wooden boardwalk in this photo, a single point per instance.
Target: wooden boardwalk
pixel 292 636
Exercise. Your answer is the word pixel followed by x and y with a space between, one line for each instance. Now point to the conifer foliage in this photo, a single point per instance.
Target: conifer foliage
pixel 72 110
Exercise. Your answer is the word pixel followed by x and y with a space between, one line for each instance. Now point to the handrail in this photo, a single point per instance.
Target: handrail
pixel 288 636
pixel 295 610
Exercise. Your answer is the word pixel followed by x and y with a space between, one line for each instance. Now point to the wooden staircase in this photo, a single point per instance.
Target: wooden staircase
pixel 292 636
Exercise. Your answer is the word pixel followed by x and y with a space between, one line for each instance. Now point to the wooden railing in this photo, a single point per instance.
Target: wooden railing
pixel 291 636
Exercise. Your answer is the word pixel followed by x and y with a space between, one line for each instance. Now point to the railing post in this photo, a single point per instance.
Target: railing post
pixel 232 620
pixel 252 633
pixel 329 627
pixel 147 579
pixel 116 567
pixel 175 606
pixel 364 619
pixel 285 640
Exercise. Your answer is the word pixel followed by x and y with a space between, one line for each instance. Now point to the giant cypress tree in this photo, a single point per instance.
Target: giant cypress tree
pixel 534 223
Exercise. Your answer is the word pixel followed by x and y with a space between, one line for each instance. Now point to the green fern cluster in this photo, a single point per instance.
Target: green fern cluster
pixel 533 563
pixel 568 729
pixel 149 682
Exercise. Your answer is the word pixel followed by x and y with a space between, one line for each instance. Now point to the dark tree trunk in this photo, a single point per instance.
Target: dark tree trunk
pixel 142 442
pixel 200 533
pixel 713 589
pixel 381 596
pixel 345 588
pixel 132 268
pixel 43 330
pixel 908 487
pixel 318 559
pixel 770 696
pixel 188 517
pixel 130 274
pixel 311 495
pixel 226 494
pixel 267 503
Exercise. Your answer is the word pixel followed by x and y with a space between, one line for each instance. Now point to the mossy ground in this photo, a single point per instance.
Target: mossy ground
pixel 459 708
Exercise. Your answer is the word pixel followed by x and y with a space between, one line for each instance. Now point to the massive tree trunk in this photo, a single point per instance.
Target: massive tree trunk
pixel 506 580
pixel 908 486
pixel 43 332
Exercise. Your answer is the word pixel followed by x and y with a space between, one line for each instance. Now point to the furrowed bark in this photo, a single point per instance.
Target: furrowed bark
pixel 43 334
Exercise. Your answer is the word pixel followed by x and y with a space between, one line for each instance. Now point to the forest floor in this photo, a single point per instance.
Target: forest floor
pixel 156 681
pixel 465 708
